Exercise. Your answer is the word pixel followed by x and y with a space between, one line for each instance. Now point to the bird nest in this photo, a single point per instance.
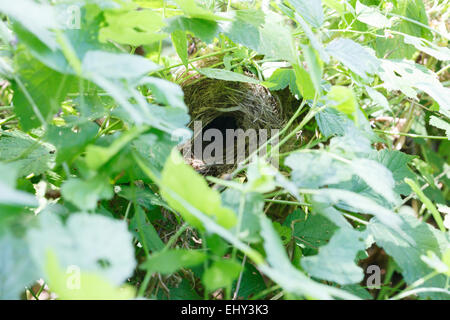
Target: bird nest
pixel 224 105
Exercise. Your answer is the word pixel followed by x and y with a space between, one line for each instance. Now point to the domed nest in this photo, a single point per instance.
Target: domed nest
pixel 224 105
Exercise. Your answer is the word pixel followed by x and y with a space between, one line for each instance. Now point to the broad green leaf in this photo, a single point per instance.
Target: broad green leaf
pixel 37 18
pixel 344 100
pixel 397 163
pixel 377 176
pixel 117 65
pixel 221 274
pixel 360 60
pixel 170 261
pixel 71 284
pixel 86 193
pixel 313 170
pixel 253 208
pixel 17 270
pixel 93 243
pixel 407 76
pixel 310 10
pixel 28 155
pixel 281 270
pixel 97 156
pixel 185 182
pixel 145 232
pixel 265 33
pixel 226 75
pixel 406 256
pixel 9 196
pixel 378 98
pixel 192 10
pixel 440 53
pixel 134 27
pixel 304 82
pixel 441 124
pixel 179 41
pixel 371 16
pixel 312 231
pixel 206 30
pixel 281 78
pixel 71 141
pixel 39 91
pixel 395 48
pixel 315 66
pixel 336 260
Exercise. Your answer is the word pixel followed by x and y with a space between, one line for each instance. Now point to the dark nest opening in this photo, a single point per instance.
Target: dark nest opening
pixel 223 105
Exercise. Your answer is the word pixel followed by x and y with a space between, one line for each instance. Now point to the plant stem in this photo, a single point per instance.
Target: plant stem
pixel 412 135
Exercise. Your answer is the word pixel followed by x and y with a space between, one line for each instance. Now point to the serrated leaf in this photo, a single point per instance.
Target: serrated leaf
pixel 344 100
pixel 440 124
pixel 93 243
pixel 336 260
pixel 360 60
pixel 406 256
pixel 17 270
pixel 28 155
pixel 371 16
pixel 310 10
pixel 86 193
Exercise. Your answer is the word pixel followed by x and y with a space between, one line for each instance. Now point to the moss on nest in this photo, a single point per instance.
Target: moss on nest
pixel 225 105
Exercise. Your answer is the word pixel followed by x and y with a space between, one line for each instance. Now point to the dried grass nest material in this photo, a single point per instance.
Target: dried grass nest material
pixel 229 105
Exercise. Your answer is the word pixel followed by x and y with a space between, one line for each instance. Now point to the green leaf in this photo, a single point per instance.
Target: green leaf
pixel 407 256
pixel 38 19
pixel 226 75
pixel 336 260
pixel 170 261
pixel 344 100
pixel 221 274
pixel 253 208
pixel 304 82
pixel 371 16
pixel 145 232
pixel 40 92
pixel 263 32
pixel 441 124
pixel 281 270
pixel 71 141
pixel 440 53
pixel 74 285
pixel 93 243
pixel 312 231
pixel 408 76
pixel 310 10
pixel 183 180
pixel 316 170
pixel 280 79
pixel 9 196
pixel 17 270
pixel 360 60
pixel 191 9
pixel 179 41
pixel 206 30
pixel 117 65
pixel 134 27
pixel 28 155
pixel 86 193
pixel 397 163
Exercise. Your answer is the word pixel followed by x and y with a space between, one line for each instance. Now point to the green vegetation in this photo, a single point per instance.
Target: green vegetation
pixel 349 200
